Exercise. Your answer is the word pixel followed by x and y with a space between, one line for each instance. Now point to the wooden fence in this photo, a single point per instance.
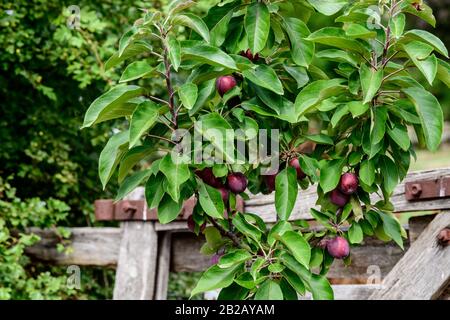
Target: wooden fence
pixel 143 252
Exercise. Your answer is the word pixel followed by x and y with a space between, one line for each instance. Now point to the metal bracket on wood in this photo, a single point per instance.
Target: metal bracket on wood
pixel 427 189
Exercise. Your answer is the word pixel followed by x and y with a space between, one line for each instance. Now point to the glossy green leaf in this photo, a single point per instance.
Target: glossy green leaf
pixel 246 228
pixel 215 278
pixel 209 55
pixel 367 172
pixel 397 25
pixel 154 190
pixel 110 104
pixel 168 209
pixel 378 128
pixel 211 200
pixel 357 108
pixel 328 7
pixel 265 77
pixel 233 258
pixel 111 155
pixel 298 246
pixel 136 70
pixel 429 38
pixel 301 51
pixel 330 174
pixel 131 183
pixel 131 158
pixel 286 190
pixel 419 52
pixel 188 95
pixel 143 118
pixel 370 81
pixel 400 135
pixel 257 26
pixel 195 23
pixel 392 228
pixel 176 171
pixel 389 172
pixel 336 37
pixel 174 52
pixel 269 290
pixel 355 233
pixel 430 114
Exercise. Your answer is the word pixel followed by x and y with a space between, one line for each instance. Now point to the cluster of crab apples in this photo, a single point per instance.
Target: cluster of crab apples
pixel 236 182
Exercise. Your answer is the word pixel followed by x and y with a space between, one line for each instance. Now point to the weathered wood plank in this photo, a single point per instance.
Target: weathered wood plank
pixel 89 247
pixel 136 267
pixel 417 225
pixel 163 268
pixel 350 292
pixel 424 271
pixel 264 205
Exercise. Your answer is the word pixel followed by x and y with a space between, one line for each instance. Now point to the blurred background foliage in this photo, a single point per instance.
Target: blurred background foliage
pixel 49 74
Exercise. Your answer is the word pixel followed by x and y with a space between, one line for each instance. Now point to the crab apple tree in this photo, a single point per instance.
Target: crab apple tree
pixel 349 91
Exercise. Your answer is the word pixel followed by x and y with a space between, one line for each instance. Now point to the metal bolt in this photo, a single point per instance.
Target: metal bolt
pixel 127 207
pixel 444 237
pixel 416 190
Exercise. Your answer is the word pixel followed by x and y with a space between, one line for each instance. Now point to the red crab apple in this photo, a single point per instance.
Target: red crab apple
pixel 249 55
pixel 208 177
pixel 225 194
pixel 191 224
pixel 237 182
pixel 270 182
pixel 225 84
pixel 296 164
pixel 338 198
pixel 338 247
pixel 349 183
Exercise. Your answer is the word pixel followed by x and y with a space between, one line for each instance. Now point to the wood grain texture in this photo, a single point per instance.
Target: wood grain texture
pixel 424 271
pixel 264 205
pixel 136 267
pixel 163 267
pixel 89 247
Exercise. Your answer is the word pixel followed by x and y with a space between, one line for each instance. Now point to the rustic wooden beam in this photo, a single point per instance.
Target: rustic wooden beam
pixel 264 205
pixel 424 271
pixel 163 269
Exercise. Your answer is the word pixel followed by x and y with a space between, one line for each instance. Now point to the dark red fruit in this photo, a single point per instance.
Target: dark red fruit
pixel 237 182
pixel 338 198
pixel 349 183
pixel 225 84
pixel 270 182
pixel 296 164
pixel 249 55
pixel 225 194
pixel 338 247
pixel 208 177
pixel 191 224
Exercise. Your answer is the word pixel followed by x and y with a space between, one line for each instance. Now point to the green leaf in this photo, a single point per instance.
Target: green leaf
pixel 367 172
pixel 443 72
pixel 209 55
pixel 400 135
pixel 131 183
pixel 277 230
pixel 338 55
pixel 176 173
pixel 136 70
pixel 316 92
pixel 320 288
pixel 328 7
pixel 154 191
pixel 429 38
pixel 111 155
pixel 389 173
pixel 330 174
pixel 298 246
pixel 233 258
pixel 276 267
pixel 131 158
pixel 213 237
pixel 246 228
pixel 211 200
pixel 340 112
pixel 301 51
pixel 257 26
pixel 233 292
pixel 336 37
pixel 397 25
pixel 143 118
pixel 430 114
pixel 126 39
pixel 356 207
pixel 168 210
pixel 108 106
pixel 319 138
pixel 269 290
pixel 286 189
pixel 357 108
pixel 355 233
pixel 370 81
pixel 188 94
pixel 215 278
pixel 130 51
pixel 299 74
pixel 354 30
pixel 378 128
pixel 195 23
pixel 219 31
pixel 392 228
pixel 294 280
pixel 174 52
pixel 419 54
pixel 265 77
pixel 425 13
pixel 256 266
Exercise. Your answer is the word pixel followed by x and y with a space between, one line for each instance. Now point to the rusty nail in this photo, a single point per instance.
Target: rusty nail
pixel 444 237
pixel 127 207
pixel 416 190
